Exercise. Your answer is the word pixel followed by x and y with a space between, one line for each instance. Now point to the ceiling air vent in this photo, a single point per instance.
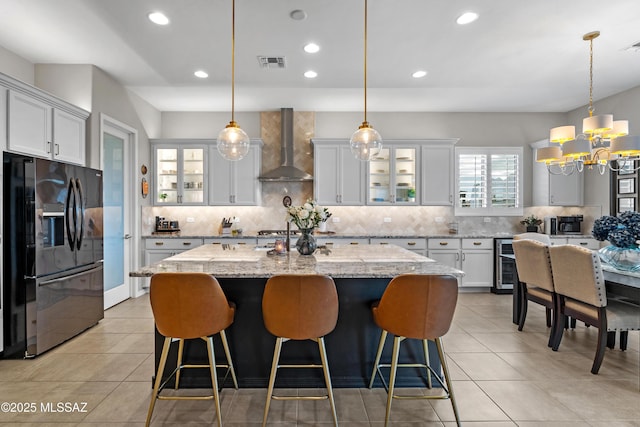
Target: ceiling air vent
pixel 271 61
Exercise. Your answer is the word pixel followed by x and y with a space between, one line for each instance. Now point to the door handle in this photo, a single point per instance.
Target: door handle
pixel 127 236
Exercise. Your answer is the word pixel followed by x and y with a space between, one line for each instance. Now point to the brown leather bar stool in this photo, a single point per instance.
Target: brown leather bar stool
pixel 300 307
pixel 415 306
pixel 188 306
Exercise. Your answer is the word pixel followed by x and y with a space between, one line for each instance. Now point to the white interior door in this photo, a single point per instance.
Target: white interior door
pixel 118 152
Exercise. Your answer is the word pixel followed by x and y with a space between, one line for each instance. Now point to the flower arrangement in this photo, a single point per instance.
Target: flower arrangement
pixel 622 231
pixel 307 216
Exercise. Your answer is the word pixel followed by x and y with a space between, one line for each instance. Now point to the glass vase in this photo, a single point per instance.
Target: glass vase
pixel 306 243
pixel 626 259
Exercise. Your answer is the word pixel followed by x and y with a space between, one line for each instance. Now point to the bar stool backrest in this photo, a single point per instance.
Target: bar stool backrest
pixel 533 263
pixel 418 306
pixel 577 274
pixel 300 307
pixel 189 305
pixel 542 238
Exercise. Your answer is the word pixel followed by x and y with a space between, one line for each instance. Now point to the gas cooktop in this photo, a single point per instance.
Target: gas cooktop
pixel 277 232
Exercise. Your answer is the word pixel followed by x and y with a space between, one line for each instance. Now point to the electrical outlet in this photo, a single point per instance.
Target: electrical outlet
pixel 487 219
pixel 386 219
pixel 335 219
pixel 439 219
pixel 191 219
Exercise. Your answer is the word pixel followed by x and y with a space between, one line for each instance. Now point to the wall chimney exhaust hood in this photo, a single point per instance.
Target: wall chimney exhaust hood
pixel 286 172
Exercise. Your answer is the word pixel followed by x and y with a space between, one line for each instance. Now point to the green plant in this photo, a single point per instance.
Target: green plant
pixel 531 220
pixel 163 196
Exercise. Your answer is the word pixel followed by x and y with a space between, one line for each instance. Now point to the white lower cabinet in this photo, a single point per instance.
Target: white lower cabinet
pixel 585 242
pixel 418 245
pixel 157 249
pixel 473 256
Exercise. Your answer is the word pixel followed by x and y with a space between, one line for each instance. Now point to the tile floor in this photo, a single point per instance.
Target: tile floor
pixel 502 377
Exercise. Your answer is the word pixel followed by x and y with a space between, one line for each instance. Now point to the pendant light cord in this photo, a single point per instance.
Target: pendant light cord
pixel 365 60
pixel 591 109
pixel 233 58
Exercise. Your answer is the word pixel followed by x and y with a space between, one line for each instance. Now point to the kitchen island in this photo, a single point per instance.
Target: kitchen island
pixel 361 274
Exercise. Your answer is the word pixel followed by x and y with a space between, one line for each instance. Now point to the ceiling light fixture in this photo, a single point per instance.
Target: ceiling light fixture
pixel 366 142
pixel 158 18
pixel 201 74
pixel 310 74
pixel 466 18
pixel 419 74
pixel 602 142
pixel 311 48
pixel 233 142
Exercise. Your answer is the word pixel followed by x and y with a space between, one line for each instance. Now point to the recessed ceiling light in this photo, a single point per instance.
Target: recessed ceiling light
pixel 298 15
pixel 158 18
pixel 467 18
pixel 311 48
pixel 310 74
pixel 201 74
pixel 419 74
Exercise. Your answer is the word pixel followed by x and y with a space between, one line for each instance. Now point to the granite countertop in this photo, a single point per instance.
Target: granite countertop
pixel 176 235
pixel 340 261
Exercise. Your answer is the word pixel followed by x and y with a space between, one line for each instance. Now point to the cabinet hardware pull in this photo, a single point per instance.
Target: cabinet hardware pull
pixel 463 256
pixel 457 257
pixel 583 243
pixel 241 243
pixel 411 243
pixel 216 243
pixel 477 243
pixel 384 243
pixel 353 243
pixel 48 147
pixel 444 243
pixel 57 149
pixel 159 243
pixel 186 243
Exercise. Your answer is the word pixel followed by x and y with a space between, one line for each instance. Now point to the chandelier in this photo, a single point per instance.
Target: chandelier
pixel 603 141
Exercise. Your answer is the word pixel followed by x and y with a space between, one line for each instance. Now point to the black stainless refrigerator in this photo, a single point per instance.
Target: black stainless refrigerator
pixel 53 253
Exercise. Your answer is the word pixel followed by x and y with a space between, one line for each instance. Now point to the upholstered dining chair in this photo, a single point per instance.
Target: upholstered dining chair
pixel 534 273
pixel 542 238
pixel 190 306
pixel 416 306
pixel 581 293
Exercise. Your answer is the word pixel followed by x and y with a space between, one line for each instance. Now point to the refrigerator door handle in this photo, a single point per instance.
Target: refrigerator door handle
pixel 69 215
pixel 80 219
pixel 64 278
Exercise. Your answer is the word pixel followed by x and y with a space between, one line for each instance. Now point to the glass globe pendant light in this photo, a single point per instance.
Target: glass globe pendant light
pixel 233 142
pixel 366 142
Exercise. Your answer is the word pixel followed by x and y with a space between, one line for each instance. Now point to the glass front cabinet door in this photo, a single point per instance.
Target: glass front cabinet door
pixel 392 176
pixel 179 174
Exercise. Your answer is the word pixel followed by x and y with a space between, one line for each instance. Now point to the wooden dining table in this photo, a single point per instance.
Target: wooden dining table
pixel 620 285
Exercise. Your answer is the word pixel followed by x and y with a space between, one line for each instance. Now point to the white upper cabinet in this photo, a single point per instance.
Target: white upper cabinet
pixel 235 182
pixel 180 175
pixel 339 177
pixel 437 169
pixel 41 125
pixel 555 190
pixel 393 174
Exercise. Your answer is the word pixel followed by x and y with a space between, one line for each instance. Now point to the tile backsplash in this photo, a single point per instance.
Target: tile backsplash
pixel 353 220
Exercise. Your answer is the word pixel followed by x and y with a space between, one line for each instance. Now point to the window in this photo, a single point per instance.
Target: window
pixel 488 181
pixel 625 189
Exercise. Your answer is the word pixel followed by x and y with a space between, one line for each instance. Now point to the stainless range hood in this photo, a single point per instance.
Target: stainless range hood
pixel 286 172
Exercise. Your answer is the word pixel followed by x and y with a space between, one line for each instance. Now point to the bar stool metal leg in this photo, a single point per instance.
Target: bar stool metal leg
pixel 214 378
pixel 327 378
pixel 425 347
pixel 272 378
pixel 179 365
pixel 392 377
pixel 225 345
pixel 156 385
pixel 447 378
pixel 383 338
